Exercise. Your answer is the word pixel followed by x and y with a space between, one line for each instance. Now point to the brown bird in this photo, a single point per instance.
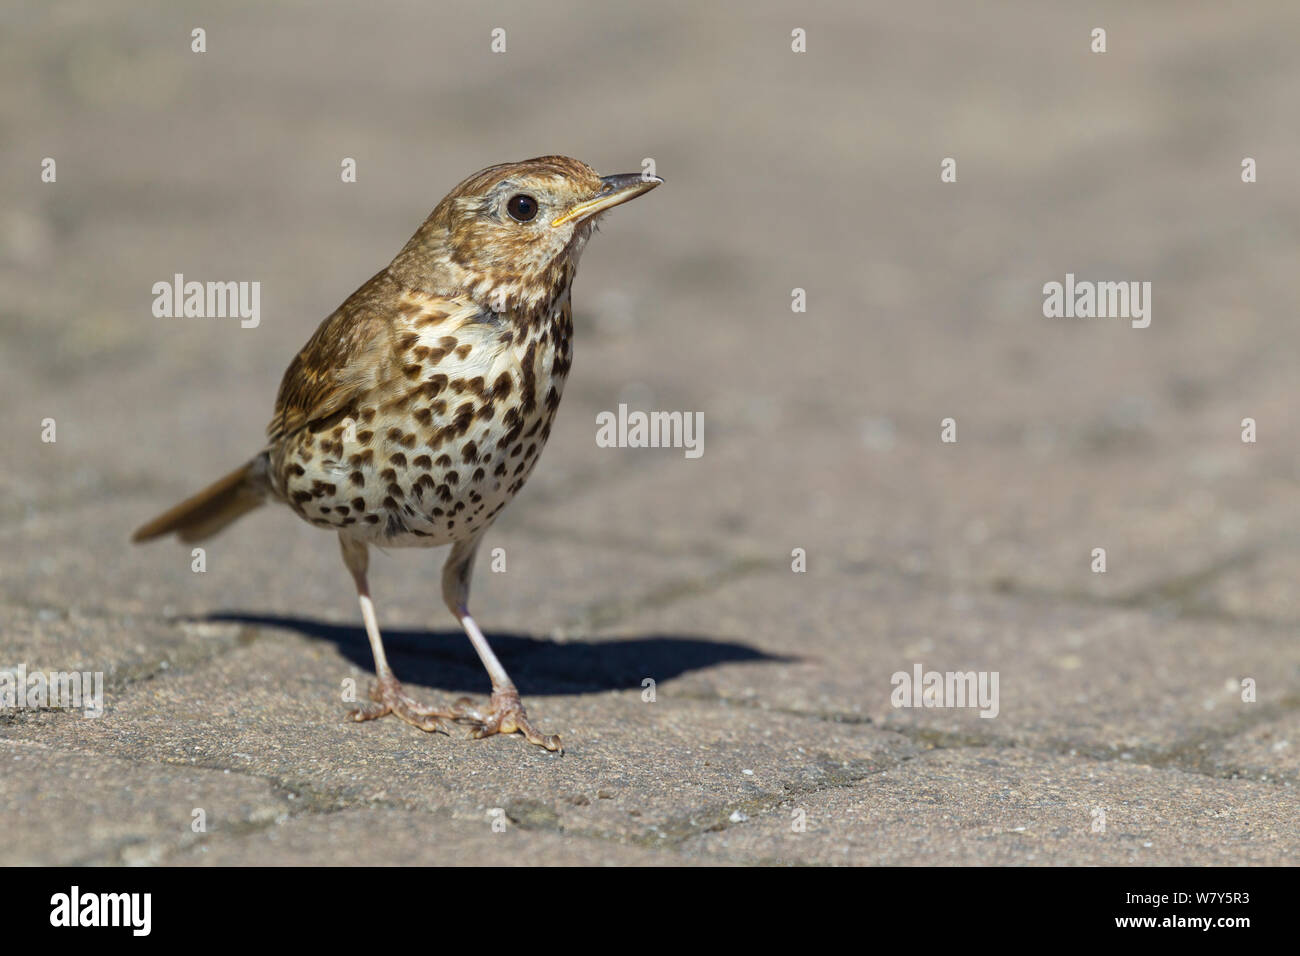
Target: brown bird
pixel 418 409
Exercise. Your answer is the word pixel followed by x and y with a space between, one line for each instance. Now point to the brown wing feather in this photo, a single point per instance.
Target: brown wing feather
pixel 350 354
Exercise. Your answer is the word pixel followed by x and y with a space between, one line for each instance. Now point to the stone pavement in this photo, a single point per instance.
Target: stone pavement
pixel 1122 735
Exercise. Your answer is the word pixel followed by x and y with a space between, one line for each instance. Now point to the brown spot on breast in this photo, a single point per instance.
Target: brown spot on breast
pixel 503 386
pixel 463 352
pixel 397 459
pixel 359 504
pixel 443 461
pixel 463 418
pixel 422 461
pixel 530 378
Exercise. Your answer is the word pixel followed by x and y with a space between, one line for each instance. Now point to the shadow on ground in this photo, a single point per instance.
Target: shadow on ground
pixel 446 660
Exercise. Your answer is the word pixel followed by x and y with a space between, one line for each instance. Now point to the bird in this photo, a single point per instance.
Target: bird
pixel 419 407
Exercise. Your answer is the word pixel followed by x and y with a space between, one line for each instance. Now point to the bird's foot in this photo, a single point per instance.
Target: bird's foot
pixel 506 715
pixel 389 698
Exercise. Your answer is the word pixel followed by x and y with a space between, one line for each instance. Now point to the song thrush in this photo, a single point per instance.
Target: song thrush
pixel 418 409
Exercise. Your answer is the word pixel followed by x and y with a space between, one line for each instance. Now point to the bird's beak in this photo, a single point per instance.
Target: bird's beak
pixel 613 190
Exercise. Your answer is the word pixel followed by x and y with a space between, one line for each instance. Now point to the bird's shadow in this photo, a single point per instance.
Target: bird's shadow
pixel 446 660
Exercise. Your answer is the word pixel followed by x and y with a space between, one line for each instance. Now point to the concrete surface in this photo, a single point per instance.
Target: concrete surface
pixel 1122 735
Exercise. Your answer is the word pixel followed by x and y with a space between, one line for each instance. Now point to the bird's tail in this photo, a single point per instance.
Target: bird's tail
pixel 216 506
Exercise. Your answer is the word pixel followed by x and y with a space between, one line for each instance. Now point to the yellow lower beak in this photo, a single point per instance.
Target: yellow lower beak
pixel 616 189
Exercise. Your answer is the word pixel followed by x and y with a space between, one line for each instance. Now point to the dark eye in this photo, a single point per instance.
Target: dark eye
pixel 521 207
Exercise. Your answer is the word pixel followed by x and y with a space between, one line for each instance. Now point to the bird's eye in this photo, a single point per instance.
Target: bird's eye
pixel 521 207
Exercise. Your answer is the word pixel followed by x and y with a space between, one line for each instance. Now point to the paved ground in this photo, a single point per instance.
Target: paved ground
pixel 771 737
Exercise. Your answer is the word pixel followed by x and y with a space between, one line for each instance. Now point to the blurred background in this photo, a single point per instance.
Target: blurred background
pixel 817 170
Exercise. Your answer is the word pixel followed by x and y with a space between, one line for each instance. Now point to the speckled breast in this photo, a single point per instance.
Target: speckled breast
pixel 432 454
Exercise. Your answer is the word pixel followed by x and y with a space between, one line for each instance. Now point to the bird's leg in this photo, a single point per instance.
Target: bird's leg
pixel 387 693
pixel 506 714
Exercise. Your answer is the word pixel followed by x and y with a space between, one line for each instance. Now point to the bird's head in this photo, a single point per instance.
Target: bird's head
pixel 510 236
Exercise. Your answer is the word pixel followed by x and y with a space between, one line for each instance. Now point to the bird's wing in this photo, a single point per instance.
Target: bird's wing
pixel 350 354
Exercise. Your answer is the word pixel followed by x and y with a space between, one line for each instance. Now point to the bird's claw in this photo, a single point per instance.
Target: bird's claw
pixel 506 716
pixel 389 698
